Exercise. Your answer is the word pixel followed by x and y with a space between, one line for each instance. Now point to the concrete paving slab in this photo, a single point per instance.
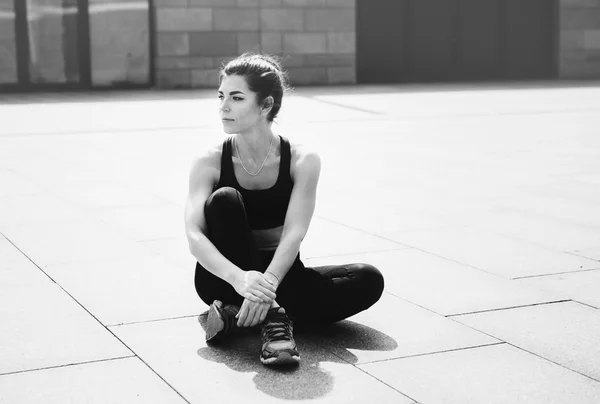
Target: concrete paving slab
pixel 575 210
pixel 144 222
pixel 326 238
pixel 130 288
pixel 91 115
pixel 37 208
pixel 125 380
pixel 556 234
pixel 443 286
pixel 64 242
pixel 98 195
pixel 591 253
pixel 565 333
pixel 233 372
pixel 581 286
pixel 496 374
pixel 16 270
pixel 15 185
pixel 452 103
pixel 394 328
pixel 175 250
pixel 42 326
pixel 511 258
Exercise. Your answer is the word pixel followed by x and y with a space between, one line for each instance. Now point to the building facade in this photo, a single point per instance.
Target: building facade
pixel 87 44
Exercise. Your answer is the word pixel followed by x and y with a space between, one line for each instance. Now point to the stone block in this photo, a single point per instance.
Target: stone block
pixel 333 20
pixel 205 78
pixel 248 3
pixel 308 76
pixel 201 62
pixel 270 3
pixel 172 44
pixel 248 41
pixel 305 3
pixel 235 20
pixel 341 42
pixel 291 60
pixel 213 3
pixel 341 75
pixel 172 62
pixel 213 44
pixel 221 61
pixel 184 19
pixel 303 43
pixel 173 79
pixel 280 19
pixel 331 60
pixel 571 39
pixel 580 18
pixel 170 3
pixel 271 42
pixel 573 69
pixel 341 3
pixel 591 39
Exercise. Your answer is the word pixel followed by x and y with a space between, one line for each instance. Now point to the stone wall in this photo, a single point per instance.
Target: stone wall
pixel 579 49
pixel 194 37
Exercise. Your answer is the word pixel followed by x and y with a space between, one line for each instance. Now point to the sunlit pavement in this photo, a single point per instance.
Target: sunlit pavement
pixel 479 204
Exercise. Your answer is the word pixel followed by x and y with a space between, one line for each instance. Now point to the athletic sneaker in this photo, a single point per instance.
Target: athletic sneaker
pixel 219 321
pixel 279 347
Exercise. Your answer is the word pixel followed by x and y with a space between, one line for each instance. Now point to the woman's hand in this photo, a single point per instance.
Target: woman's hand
pixel 254 286
pixel 252 313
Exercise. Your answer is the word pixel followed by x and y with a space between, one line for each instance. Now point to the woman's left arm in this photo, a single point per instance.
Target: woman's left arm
pixel 306 168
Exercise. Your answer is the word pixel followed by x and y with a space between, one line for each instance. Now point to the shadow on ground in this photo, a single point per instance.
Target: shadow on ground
pixel 309 380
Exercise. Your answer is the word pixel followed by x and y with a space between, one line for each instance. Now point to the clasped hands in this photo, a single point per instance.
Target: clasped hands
pixel 258 291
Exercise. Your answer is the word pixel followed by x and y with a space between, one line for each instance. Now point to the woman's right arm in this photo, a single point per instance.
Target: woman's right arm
pixel 249 284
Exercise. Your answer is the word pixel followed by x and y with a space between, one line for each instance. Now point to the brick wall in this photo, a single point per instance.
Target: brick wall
pixel 194 37
pixel 579 39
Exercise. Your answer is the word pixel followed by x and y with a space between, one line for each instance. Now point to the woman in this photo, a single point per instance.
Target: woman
pixel 251 200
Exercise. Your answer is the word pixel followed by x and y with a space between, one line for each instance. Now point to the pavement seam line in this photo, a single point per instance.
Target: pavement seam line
pixel 152 321
pixel 102 325
pixel 339 104
pixel 414 248
pixel 384 383
pixel 557 273
pixel 67 365
pixel 509 308
pixel 500 342
pixel 525 350
pixel 551 361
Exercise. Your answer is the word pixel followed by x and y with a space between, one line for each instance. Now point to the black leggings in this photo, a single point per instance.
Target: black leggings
pixel 309 295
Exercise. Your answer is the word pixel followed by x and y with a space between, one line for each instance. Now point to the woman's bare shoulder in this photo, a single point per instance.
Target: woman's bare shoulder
pixel 209 157
pixel 305 159
pixel 300 151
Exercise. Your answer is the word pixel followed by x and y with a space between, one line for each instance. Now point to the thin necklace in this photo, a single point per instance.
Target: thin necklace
pixel 263 163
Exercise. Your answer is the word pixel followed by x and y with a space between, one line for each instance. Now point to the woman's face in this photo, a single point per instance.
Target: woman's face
pixel 238 108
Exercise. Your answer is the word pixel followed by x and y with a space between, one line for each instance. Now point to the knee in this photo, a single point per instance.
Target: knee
pixel 374 282
pixel 225 200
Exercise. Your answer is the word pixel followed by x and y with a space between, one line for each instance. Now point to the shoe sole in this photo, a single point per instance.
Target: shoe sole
pixel 214 322
pixel 284 358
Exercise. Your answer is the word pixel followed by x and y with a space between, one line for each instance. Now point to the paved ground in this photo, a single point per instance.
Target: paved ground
pixel 479 204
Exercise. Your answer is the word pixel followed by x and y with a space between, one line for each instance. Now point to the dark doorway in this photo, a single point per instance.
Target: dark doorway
pixel 380 42
pixel 456 40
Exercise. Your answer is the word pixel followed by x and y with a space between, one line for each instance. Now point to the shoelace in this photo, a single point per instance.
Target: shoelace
pixel 278 328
